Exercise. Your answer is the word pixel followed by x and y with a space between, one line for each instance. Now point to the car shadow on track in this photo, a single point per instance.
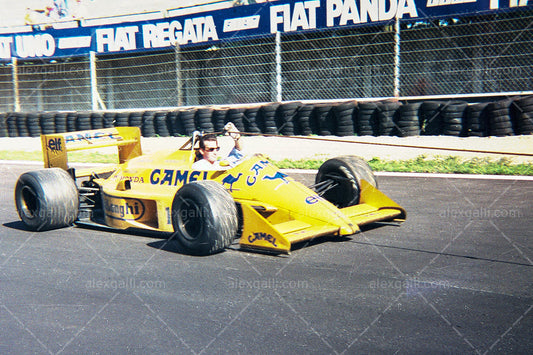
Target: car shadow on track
pixel 18 225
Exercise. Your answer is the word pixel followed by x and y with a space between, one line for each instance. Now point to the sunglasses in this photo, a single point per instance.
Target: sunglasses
pixel 212 149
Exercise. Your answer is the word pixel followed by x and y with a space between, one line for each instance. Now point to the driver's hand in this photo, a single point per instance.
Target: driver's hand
pixel 231 130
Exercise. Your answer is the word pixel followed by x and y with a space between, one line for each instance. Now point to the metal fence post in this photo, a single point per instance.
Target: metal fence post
pixel 279 87
pixel 15 78
pixel 179 78
pixel 94 83
pixel 397 44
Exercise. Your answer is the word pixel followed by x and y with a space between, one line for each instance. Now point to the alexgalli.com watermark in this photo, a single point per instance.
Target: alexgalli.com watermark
pixel 128 283
pixel 480 213
pixel 408 284
pixel 268 284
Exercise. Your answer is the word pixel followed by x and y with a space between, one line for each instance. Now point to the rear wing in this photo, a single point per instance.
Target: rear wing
pixel 56 146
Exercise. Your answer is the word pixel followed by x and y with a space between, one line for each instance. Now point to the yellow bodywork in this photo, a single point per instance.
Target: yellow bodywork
pixel 277 211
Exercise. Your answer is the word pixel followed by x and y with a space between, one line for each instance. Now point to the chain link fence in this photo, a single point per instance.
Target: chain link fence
pixel 468 55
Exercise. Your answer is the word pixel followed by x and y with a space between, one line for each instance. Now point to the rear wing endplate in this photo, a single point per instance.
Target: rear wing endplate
pixel 56 146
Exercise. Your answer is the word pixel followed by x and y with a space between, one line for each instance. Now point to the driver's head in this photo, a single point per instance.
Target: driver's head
pixel 209 147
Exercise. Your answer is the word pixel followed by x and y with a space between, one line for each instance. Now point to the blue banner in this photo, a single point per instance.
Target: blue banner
pixel 236 23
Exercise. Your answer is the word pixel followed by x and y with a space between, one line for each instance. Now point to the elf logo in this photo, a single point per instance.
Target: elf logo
pixel 54 144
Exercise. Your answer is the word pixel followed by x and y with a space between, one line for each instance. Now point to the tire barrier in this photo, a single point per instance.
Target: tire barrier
pixel 147 124
pixel 512 116
pixel 3 125
pixel 285 117
pixel 408 120
pixel 452 117
pixel 303 120
pixel 268 118
pixel 72 118
pixel 499 117
pixel 522 115
pixel 323 120
pixel 476 124
pixel 204 121
pixel 219 119
pixel 250 120
pixel 186 118
pixel 32 121
pixel 161 124
pixel 392 118
pixel 367 119
pixel 60 121
pixel 343 123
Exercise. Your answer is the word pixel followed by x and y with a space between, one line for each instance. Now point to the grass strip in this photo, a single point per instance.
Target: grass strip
pixel 421 164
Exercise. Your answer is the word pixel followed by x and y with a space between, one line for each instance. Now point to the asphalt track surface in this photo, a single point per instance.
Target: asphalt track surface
pixel 457 277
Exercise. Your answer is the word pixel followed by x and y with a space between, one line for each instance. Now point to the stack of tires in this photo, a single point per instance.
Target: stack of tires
pixel 476 120
pixel 3 125
pixel 430 118
pixel 367 119
pixel 219 119
pixel 522 113
pixel 34 127
pixel 304 120
pixel 236 115
pixel 379 118
pixel 285 115
pixel 387 117
pixel 72 118
pixel 408 123
pixel 323 119
pixel 250 120
pixel 203 120
pixel 160 124
pixel 267 116
pixel 452 117
pixel 83 121
pixel 344 114
pixel 499 118
pixel 147 124
pixel 60 120
pixel 48 123
pixel 187 120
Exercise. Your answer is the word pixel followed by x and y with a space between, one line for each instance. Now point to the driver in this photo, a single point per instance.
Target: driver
pixel 209 149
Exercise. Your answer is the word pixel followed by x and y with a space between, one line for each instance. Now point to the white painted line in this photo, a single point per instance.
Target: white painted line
pixel 429 175
pixel 313 172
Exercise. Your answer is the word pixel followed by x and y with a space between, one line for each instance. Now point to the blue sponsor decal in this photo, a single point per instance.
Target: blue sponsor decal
pixel 277 176
pixel 311 200
pixel 241 22
pixel 90 136
pixel 171 177
pixel 230 180
pixel 256 169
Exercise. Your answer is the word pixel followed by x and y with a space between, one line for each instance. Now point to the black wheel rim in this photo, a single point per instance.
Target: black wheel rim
pixel 190 219
pixel 29 202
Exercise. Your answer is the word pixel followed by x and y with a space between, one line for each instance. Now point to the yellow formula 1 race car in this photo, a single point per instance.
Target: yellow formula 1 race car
pixel 204 210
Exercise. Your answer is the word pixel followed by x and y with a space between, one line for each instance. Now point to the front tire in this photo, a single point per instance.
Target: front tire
pixel 204 217
pixel 339 180
pixel 47 199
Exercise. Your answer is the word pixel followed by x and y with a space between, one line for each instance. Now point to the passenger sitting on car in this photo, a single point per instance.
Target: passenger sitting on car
pixel 209 148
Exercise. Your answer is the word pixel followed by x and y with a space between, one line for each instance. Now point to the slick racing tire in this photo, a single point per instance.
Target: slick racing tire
pixel 46 199
pixel 204 217
pixel 339 180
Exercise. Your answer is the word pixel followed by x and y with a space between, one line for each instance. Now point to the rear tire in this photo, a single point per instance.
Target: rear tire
pixel 347 172
pixel 204 217
pixel 47 199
